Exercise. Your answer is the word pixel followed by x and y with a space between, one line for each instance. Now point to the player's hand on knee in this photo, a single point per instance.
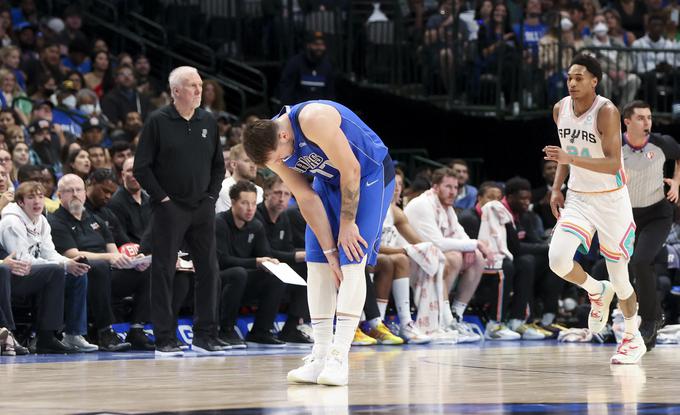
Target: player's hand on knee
pixel 334 263
pixel 350 240
pixel 556 203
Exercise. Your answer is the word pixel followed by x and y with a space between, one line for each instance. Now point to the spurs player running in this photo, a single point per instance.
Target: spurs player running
pixel 589 127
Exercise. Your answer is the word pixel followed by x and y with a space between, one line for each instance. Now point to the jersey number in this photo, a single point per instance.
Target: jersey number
pixel 573 151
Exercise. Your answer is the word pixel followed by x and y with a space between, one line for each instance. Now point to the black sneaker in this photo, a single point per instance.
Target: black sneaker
pixel 207 346
pixel 648 330
pixel 263 340
pixel 225 345
pixel 168 349
pixel 295 336
pixel 180 344
pixel 48 344
pixel 231 336
pixel 110 342
pixel 139 340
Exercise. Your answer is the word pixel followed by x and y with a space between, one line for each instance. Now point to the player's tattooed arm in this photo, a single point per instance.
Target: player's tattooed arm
pixel 350 202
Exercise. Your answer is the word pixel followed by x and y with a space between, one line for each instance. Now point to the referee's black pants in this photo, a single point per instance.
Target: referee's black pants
pixel 172 225
pixel 653 223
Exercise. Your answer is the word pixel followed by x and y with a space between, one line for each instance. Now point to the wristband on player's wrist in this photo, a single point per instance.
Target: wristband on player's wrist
pixel 330 251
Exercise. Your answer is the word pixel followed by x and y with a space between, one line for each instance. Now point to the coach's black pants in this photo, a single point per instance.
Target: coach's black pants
pixel 653 225
pixel 171 226
pixel 258 285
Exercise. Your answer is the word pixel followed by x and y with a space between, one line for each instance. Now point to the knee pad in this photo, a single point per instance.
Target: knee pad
pixel 618 275
pixel 321 292
pixel 352 292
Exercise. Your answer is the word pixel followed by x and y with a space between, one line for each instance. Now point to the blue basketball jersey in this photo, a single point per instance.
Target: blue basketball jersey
pixel 308 158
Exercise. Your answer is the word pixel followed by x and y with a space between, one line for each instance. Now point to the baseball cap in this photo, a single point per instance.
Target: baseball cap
pixel 39 124
pixel 92 123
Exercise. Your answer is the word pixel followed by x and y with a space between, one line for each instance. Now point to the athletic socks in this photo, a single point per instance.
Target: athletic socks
pixel 592 286
pixel 322 330
pixel 446 315
pixel 400 291
pixel 373 323
pixel 345 326
pixel 630 325
pixel 459 308
pixel 382 306
pixel 547 319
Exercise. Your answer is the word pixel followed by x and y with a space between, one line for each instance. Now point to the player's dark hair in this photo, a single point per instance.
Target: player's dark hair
pixel 439 174
pixel 259 140
pixel 241 186
pixel 590 63
pixel 630 107
pixel 486 186
pixel 516 185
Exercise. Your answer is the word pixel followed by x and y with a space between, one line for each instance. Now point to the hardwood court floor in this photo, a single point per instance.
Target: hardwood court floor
pixel 494 378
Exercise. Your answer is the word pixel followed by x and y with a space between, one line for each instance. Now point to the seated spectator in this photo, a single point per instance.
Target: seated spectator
pixel 394 268
pixel 555 51
pixel 33 173
pixel 45 147
pixel 101 185
pixel 11 57
pixel 132 129
pixel 498 45
pixel 99 157
pixel 471 220
pixel 77 79
pixel 78 163
pixel 616 30
pixel 229 126
pixel 655 68
pixel 531 266
pixel 88 104
pixel 119 152
pixel 540 196
pixel 212 99
pixel 124 97
pixel 8 172
pixel 577 15
pixel 131 205
pixel 445 31
pixel 273 216
pixel 242 247
pixel 633 15
pixel 467 194
pixel 43 88
pixel 309 74
pixel 15 134
pixel 6 192
pixel 65 114
pixel 532 30
pixel 8 119
pixel 93 134
pixel 100 80
pixel 618 83
pixel 25 231
pixel 77 58
pixel 10 91
pixel 20 156
pixel 46 66
pixel 73 22
pixel 242 168
pixel 77 232
pixel 431 214
pixel 150 86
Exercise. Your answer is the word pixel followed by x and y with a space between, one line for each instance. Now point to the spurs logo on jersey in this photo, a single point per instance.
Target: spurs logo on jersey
pixel 579 136
pixel 573 135
pixel 313 163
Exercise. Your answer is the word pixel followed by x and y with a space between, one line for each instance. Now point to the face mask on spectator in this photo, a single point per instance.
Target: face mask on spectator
pixel 566 24
pixel 70 102
pixel 88 109
pixel 600 29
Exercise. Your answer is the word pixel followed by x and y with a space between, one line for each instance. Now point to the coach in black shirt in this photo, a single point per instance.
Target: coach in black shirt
pixel 179 162
pixel 273 215
pixel 242 244
pixel 131 205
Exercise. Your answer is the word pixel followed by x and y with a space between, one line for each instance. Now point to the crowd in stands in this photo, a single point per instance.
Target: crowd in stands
pixel 74 232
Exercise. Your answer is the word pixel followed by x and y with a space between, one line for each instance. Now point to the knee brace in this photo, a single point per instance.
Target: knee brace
pixel 561 253
pixel 321 292
pixel 618 275
pixel 352 292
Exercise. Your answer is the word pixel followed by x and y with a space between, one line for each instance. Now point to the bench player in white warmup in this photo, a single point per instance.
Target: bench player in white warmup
pixel 589 128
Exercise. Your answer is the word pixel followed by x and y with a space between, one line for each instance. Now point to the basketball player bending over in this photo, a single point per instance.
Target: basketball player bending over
pixel 344 207
pixel 589 128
